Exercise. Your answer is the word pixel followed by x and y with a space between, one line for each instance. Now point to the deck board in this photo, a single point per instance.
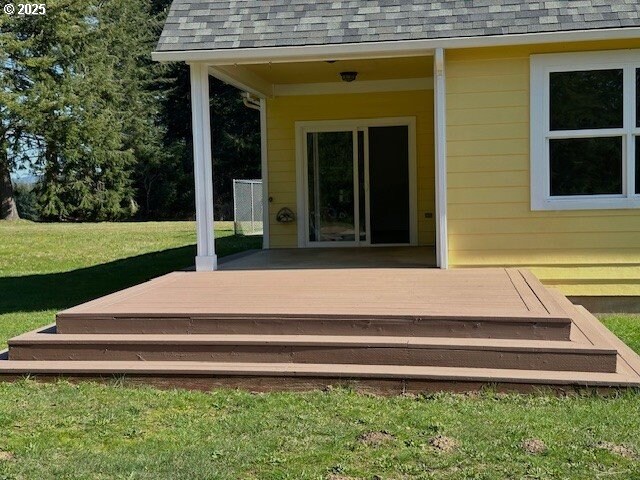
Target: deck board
pixel 286 370
pixel 346 292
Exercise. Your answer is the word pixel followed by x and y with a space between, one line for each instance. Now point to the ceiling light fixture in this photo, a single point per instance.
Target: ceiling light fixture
pixel 348 76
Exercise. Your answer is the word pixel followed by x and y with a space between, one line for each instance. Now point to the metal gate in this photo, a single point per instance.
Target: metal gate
pixel 247 207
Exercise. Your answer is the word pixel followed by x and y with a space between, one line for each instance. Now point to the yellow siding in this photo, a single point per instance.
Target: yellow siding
pixel 594 252
pixel 283 112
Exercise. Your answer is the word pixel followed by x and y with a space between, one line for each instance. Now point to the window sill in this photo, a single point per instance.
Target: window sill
pixel 585 203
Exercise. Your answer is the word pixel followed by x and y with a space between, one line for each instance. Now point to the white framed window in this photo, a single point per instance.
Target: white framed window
pixel 585 130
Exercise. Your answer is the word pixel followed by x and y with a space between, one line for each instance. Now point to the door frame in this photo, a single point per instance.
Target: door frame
pixel 304 127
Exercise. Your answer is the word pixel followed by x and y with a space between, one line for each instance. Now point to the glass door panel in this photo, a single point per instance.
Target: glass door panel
pixel 362 188
pixel 332 204
pixel 389 201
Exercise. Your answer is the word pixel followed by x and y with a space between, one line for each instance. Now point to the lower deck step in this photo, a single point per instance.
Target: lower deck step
pixel 529 327
pixel 318 349
pixel 281 376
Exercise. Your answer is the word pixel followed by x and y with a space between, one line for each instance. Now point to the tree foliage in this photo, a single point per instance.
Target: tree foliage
pixel 107 130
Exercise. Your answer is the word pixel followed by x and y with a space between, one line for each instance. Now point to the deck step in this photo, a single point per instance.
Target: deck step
pixel 281 375
pixel 317 349
pixel 525 327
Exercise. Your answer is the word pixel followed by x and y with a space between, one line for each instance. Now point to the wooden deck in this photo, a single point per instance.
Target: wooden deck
pixel 403 328
pixel 346 292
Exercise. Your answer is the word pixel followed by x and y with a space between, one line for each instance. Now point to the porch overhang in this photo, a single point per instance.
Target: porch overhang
pixel 387 49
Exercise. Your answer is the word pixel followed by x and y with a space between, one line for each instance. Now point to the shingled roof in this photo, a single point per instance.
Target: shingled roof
pixel 218 24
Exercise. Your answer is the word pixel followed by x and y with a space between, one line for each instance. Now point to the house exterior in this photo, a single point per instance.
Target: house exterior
pixel 499 132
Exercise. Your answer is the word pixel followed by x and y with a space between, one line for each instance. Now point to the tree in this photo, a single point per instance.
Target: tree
pixel 26 201
pixel 107 130
pixel 235 132
pixel 54 114
pixel 79 114
pixel 166 186
pixel 13 82
pixel 164 176
pixel 8 208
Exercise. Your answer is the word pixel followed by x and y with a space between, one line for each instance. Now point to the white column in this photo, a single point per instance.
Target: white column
pixel 206 258
pixel 440 123
pixel 265 173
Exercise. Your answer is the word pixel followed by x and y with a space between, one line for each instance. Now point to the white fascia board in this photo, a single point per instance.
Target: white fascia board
pixel 398 48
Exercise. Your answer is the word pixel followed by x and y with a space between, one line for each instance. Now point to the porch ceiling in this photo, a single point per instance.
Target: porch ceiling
pixel 374 74
pixel 324 72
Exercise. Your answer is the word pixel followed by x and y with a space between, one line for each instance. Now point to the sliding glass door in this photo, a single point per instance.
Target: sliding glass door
pixel 357 186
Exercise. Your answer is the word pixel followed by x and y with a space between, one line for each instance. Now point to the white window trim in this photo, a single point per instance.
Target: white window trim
pixel 541 67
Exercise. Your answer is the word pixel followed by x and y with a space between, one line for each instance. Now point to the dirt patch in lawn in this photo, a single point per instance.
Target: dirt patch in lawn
pixel 620 450
pixel 6 456
pixel 443 444
pixel 374 439
pixel 534 446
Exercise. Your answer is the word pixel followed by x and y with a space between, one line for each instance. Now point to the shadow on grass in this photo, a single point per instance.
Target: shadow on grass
pixel 66 289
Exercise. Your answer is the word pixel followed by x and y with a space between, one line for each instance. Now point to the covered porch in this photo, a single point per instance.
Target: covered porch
pixel 352 147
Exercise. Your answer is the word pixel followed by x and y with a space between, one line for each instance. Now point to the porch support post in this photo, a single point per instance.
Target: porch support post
pixel 265 173
pixel 440 122
pixel 206 251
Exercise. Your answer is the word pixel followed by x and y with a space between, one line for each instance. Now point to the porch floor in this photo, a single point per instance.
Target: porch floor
pixel 397 329
pixel 340 257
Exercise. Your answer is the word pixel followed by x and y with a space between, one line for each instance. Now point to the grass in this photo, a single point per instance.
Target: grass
pixel 48 267
pixel 97 431
pixel 94 431
pixel 626 327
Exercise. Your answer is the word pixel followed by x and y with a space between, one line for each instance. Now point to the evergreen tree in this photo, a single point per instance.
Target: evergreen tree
pixel 235 132
pixel 84 162
pixel 85 106
pixel 13 82
pixel 107 129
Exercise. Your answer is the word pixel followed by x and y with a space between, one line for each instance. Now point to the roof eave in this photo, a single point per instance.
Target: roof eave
pixel 343 51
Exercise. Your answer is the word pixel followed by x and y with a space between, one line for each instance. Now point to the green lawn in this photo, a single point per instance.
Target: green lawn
pixel 48 267
pixel 95 431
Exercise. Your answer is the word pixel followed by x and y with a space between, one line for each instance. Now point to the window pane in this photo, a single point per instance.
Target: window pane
pixel 589 99
pixel 331 201
pixel 637 99
pixel 586 166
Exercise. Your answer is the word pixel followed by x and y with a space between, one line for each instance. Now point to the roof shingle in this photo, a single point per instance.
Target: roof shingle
pixel 218 24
